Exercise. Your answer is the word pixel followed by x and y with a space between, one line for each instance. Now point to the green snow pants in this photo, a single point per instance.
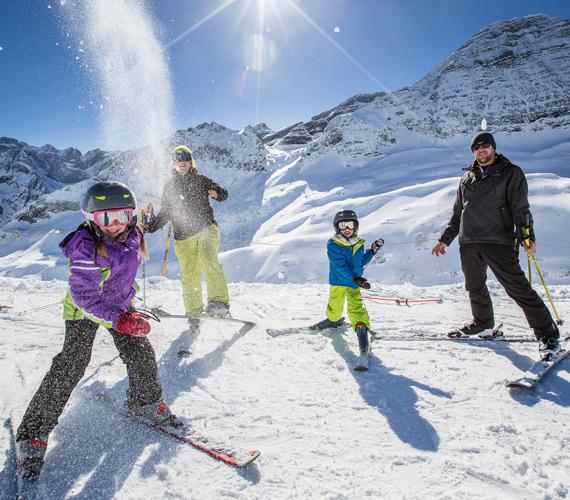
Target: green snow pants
pixel 198 254
pixel 355 308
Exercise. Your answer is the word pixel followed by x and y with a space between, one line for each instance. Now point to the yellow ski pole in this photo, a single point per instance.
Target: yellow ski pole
pixel 165 259
pixel 558 320
pixel 540 275
pixel 529 269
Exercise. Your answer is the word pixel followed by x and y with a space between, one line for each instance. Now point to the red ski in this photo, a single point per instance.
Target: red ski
pixel 224 452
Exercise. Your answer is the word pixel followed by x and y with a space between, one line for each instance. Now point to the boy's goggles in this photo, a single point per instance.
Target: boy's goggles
pixel 346 224
pixel 105 218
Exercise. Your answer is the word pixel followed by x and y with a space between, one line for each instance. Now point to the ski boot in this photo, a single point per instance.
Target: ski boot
pixel 326 323
pixel 472 329
pixel 30 456
pixel 157 413
pixel 362 334
pixel 549 348
pixel 194 323
pixel 218 309
pixel 363 359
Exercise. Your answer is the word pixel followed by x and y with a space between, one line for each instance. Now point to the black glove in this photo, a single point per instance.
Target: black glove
pixel 361 282
pixel 525 231
pixel 377 245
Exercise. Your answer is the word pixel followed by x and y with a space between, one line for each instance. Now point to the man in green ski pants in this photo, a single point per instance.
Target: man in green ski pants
pixel 185 203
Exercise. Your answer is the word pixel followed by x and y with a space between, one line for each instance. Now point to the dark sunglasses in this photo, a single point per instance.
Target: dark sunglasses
pixel 182 156
pixel 480 145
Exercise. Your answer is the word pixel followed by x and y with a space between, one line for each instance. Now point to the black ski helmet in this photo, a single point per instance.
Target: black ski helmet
pixel 106 196
pixel 345 215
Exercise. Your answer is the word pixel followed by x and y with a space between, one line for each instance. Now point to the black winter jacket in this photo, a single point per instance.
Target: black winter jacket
pixel 490 205
pixel 186 204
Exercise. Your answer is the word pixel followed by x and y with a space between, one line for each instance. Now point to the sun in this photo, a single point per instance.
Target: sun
pixel 260 51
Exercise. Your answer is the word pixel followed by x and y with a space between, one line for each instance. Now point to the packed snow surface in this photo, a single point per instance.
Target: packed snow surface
pixel 428 420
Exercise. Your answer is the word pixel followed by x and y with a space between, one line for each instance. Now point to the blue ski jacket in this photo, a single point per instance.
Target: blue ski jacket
pixel 345 260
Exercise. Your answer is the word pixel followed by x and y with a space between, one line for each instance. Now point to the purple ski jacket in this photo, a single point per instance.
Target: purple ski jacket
pixel 100 287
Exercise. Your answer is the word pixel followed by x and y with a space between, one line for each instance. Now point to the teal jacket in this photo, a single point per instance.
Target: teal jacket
pixel 346 259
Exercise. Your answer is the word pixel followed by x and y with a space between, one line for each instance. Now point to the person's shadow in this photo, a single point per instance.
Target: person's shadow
pixel 552 387
pixel 393 396
pixel 96 443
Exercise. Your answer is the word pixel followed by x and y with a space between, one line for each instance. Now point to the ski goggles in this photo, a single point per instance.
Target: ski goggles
pixel 106 218
pixel 480 145
pixel 346 224
pixel 182 156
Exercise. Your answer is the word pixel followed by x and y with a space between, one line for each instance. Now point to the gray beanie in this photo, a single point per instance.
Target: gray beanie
pixel 483 137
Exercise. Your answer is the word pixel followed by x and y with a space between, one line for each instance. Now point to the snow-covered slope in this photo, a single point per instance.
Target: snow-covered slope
pixel 429 420
pixel 395 158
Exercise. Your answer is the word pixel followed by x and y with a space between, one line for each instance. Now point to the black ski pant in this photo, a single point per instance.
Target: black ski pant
pixel 503 260
pixel 68 367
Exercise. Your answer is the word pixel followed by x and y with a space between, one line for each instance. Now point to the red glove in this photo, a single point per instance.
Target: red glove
pixel 132 323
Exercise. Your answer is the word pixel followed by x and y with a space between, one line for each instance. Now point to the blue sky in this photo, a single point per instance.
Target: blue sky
pixel 324 51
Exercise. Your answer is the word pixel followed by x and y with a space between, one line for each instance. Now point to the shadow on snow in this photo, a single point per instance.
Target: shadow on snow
pixel 394 397
pixel 101 449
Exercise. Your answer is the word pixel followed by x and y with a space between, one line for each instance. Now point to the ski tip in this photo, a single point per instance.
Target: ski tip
pixel 254 455
pixel 239 462
pixel 518 386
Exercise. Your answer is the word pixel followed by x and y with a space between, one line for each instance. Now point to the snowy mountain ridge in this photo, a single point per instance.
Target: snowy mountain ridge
pixel 515 74
pixel 386 155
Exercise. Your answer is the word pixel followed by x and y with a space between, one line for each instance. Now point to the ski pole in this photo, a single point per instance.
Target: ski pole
pixel 165 259
pixel 143 216
pixel 529 269
pixel 558 320
pixel 540 275
pixel 46 306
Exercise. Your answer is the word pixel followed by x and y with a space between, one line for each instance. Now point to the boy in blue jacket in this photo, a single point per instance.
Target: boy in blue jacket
pixel 347 258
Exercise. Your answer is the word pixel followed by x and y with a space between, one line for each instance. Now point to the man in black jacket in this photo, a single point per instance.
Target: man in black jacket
pixel 185 203
pixel 492 200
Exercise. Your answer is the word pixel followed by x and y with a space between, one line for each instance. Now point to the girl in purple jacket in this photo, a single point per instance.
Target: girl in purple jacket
pixel 104 254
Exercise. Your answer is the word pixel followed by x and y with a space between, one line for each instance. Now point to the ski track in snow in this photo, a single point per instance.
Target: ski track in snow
pixel 427 420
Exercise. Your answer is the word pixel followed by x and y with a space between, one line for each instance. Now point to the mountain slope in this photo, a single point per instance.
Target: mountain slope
pixel 394 157
pixel 428 420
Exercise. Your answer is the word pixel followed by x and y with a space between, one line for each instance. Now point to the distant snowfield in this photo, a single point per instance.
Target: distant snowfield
pixel 275 224
pixel 429 420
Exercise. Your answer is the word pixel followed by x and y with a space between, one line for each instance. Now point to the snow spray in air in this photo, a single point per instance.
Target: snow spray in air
pixel 129 63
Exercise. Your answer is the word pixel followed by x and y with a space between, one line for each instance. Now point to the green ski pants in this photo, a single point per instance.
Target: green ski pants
pixel 198 254
pixel 355 308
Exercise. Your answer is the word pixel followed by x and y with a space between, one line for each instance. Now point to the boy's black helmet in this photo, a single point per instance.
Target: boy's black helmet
pixel 108 195
pixel 345 215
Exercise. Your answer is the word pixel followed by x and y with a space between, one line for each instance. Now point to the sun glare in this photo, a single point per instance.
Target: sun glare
pixel 260 52
pixel 258 47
